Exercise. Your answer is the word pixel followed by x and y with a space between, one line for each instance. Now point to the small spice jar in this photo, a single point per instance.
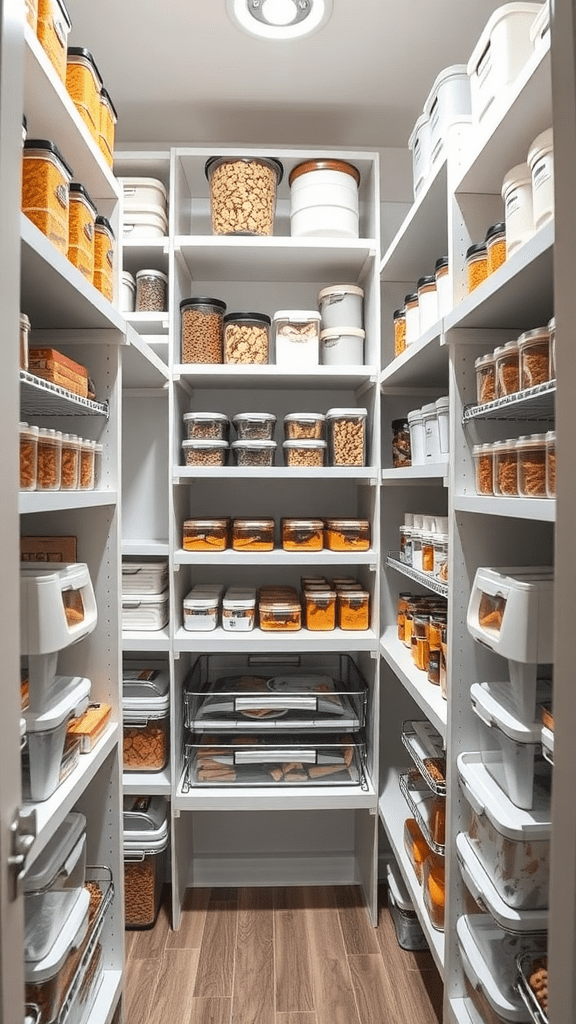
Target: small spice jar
pixel 87 464
pixel 246 337
pixel 24 337
pixel 401 453
pixel 84 82
pixel 81 220
pixel 552 334
pixel 46 181
pixel 353 609
pixel 28 456
pixel 151 291
pixel 428 553
pixel 496 246
pixel 319 609
pixel 107 127
pixel 476 265
pixel 551 464
pixel 253 534
pixel 507 366
pixel 205 534
pixel 443 290
pixel 534 357
pixel 412 318
pixel 485 367
pixel 49 460
pixel 202 329
pixel 483 455
pixel 70 467
pixel 302 534
pixel 399 318
pixel 531 449
pixel 401 605
pixel 505 467
pixel 427 303
pixel 104 257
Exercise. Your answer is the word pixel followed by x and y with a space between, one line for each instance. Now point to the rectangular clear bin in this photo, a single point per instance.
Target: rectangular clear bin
pixel 208 426
pixel 268 692
pixel 52 886
pixel 304 453
pixel 346 430
pixel 253 453
pixel 304 425
pixel 252 534
pixel 202 452
pixel 145 707
pixel 347 534
pixel 48 981
pixel 302 534
pixel 144 577
pixel 205 534
pixel 144 874
pixel 281 613
pixel 43 762
pixel 91 726
pixel 254 426
pixel 353 609
pixel 319 609
pixel 408 930
pixel 281 759
pixel 147 612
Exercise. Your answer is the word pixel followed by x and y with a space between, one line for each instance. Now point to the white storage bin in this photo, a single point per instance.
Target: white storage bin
pixel 341 305
pixel 144 577
pixel 500 54
pixel 513 845
pixel 296 337
pixel 448 102
pixel 442 411
pixel 47 981
pixel 144 223
pixel 541 163
pixel 127 292
pixel 145 611
pixel 141 192
pixel 342 346
pixel 201 611
pixel 419 145
pixel 479 883
pixel 239 609
pixel 540 30
pixel 518 207
pixel 431 433
pixel 416 426
pixel 45 738
pixel 324 199
pixel 511 612
pixel 57 606
pixel 52 886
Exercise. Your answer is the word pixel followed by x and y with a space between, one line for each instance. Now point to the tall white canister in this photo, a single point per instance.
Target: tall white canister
pixel 519 217
pixel 541 163
pixel 324 199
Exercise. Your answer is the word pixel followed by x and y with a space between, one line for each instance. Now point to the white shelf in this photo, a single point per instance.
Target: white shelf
pixel 272 377
pixel 184 474
pixel 274 798
pixel 150 783
pixel 393 812
pixel 146 640
pixel 51 114
pixel 145 547
pixel 258 640
pixel 60 501
pixel 415 474
pixel 144 253
pixel 274 258
pixel 424 579
pixel 427 696
pixel 325 558
pixel 107 999
pixel 149 323
pixel 423 236
pixel 141 367
pixel 543 509
pixel 425 363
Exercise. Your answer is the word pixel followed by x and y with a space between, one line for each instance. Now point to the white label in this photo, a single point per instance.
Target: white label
pixel 541 173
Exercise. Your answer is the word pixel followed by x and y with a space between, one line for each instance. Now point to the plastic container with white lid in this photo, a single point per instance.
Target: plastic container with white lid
pixel 139 192
pixel 416 427
pixel 200 611
pixel 254 426
pixel 52 885
pixel 147 222
pixel 518 604
pixel 200 451
pixel 145 611
pixel 442 412
pixel 346 430
pixel 541 162
pixel 145 838
pixel 46 981
pixel 208 425
pixel 534 357
pixel 531 449
pixel 46 735
pixel 239 609
pixel 342 346
pixel 145 820
pixel 448 103
pixel 408 930
pixel 324 199
pixel 341 305
pixel 481 887
pixel 127 292
pixel 419 144
pixel 500 54
pixel 57 606
pixel 253 453
pixel 304 452
pixel 512 844
pixel 296 337
pixel 427 302
pixel 145 718
pixel 540 29
pixel 144 577
pixel 518 206
pixel 298 425
pixel 145 686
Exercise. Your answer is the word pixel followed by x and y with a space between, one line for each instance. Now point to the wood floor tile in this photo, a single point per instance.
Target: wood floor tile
pixel 295 1018
pixel 215 973
pixel 174 990
pixel 359 935
pixel 291 955
pixel 333 993
pixel 149 943
pixel 140 985
pixel 374 989
pixel 253 993
pixel 189 934
pixel 210 1011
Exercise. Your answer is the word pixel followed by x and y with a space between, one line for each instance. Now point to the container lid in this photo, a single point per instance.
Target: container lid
pixel 552 324
pixel 520 174
pixel 238 599
pixel 495 230
pixel 550 436
pixel 140 182
pixel 145 687
pixel 70 936
pixel 347 524
pixel 103 223
pixel 281 603
pixel 486 797
pixel 397 887
pixel 352 595
pixel 135 600
pixel 441 262
pixel 257 417
pixel 202 300
pixel 485 448
pixel 145 824
pixel 128 279
pixel 296 316
pixel 429 409
pixel 324 165
pixel 259 445
pixel 203 417
pixel 506 349
pixel 453 71
pixel 146 214
pixel 105 96
pixel 423 281
pixel 305 442
pixel 71 702
pixel 486 360
pixel 269 161
pixel 248 521
pixel 531 441
pixel 76 189
pixel 412 297
pixel 302 524
pixel 79 51
pixel 247 317
pixel 200 443
pixel 492 704
pixel 50 148
pixel 534 335
pixel 201 601
pixel 338 413
pixel 478 249
pixel 340 289
pixel 54 856
pixel 414 415
pixel 152 273
pixel 399 313
pixel 442 403
pixel 205 523
pixel 485 893
pixel 498 15
pixel 298 417
pixel 342 332
pixel 542 144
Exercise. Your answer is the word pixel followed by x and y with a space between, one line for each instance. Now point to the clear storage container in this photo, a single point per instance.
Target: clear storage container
pixel 434 890
pixel 52 886
pixel 416 847
pixel 53 28
pixel 145 717
pixel 254 426
pixel 476 265
pixel 280 613
pixel 552 333
pixel 304 453
pixel 202 330
pixel 353 609
pixel 531 450
pixel 342 346
pixel 46 181
pixel 296 337
pixel 205 534
pixel 239 609
pixel 534 357
pixel 200 611
pixel 211 426
pixel 91 726
pixel 203 452
pixel 507 366
pixel 408 930
pixel 483 455
pixel 319 609
pixel 324 199
pixel 495 242
pixel 254 453
pixel 107 127
pixel 45 740
pixel 145 839
pixel 104 258
pixel 499 55
pixel 399 319
pixel 505 471
pixel 87 480
pixel 485 378
pixel 246 337
pixel 518 207
pixel 541 164
pixel 253 534
pixel 70 466
pixel 401 451
pixel 48 981
pixel 49 460
pixel 84 83
pixel 302 534
pixel 57 606
pixel 151 291
pixel 347 534
pixel 346 429
pixel 243 194
pixel 81 219
pixel 145 611
pixel 341 305
pixel 28 456
pixel 304 425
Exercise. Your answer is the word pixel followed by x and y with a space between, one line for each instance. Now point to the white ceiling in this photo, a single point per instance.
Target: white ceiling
pixel 178 71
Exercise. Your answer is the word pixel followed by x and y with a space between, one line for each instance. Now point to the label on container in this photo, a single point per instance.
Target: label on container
pixel 89 231
pixel 61 193
pixel 513 202
pixel 541 172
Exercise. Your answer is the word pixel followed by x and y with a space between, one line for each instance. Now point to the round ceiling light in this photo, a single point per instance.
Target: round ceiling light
pixel 279 19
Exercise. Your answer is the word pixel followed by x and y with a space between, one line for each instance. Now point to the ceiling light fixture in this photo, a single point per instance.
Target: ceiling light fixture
pixel 279 19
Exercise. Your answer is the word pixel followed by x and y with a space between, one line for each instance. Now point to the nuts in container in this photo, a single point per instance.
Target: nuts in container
pixel 298 425
pixel 302 534
pixel 347 436
pixel 253 534
pixel 246 337
pixel 253 453
pixel 211 426
pixel 254 426
pixel 304 453
pixel 202 330
pixel 243 194
pixel 200 452
pixel 151 289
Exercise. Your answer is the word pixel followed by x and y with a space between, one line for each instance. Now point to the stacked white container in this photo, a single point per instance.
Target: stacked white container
pixel 144 594
pixel 145 208
pixel 342 325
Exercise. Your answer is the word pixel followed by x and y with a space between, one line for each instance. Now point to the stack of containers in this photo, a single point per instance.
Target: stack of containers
pixel 145 838
pixel 447 104
pixel 342 332
pixel 145 208
pixel 499 56
pixel 429 433
pixel 424 544
pixel 145 708
pixel 144 594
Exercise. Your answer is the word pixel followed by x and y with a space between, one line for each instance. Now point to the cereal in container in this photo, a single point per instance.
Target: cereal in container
pixel 505 468
pixel 485 367
pixel 81 220
pixel 399 318
pixel 107 127
pixel 353 608
pixel 151 291
pixel 53 28
pixel 46 181
pixel 246 337
pixel 28 456
pixel 299 425
pixel 84 83
pixel 87 475
pixel 254 426
pixel 551 464
pixel 70 467
pixel 403 599
pixel 49 460
pixel 253 453
pixel 243 194
pixel 401 451
pixel 202 329
pixel 304 453
pixel 496 246
pixel 483 465
pixel 204 452
pixel 346 430
pixel 207 426
pixel 347 534
pixel 476 264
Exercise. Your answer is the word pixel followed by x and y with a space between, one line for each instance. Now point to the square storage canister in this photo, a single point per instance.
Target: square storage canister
pixel 145 707
pixel 145 837
pixel 346 430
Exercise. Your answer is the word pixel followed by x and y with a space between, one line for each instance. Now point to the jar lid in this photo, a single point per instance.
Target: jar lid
pixel 324 165
pixel 336 413
pixel 247 318
pixel 24 321
pixel 414 415
pixel 253 521
pixel 271 162
pixel 484 448
pixel 340 289
pixel 128 279
pixel 495 229
pixel 347 524
pixel 399 424
pixel 105 95
pixel 79 190
pixel 297 316
pixel 203 442
pixel 257 417
pixel 478 249
pixel 509 442
pixel 486 360
pixel 319 592
pixel 260 445
pixel 103 223
pixel 305 442
pixel 506 349
pixel 423 281
pixel 398 313
pixel 534 335
pixel 302 524
pixel 50 147
pixel 342 332
pixel 520 174
pixel 542 144
pixel 297 417
pixel 442 403
pixel 152 273
pixel 412 297
pixel 79 51
pixel 441 262
pixel 202 300
pixel 531 440
pixel 429 409
pixel 202 417
pixel 189 524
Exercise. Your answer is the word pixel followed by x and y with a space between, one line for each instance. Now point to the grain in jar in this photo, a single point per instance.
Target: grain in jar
pixel 319 609
pixel 254 426
pixel 507 366
pixel 107 127
pixel 551 464
pixel 84 82
pixel 70 467
pixel 247 454
pixel 534 357
pixel 46 181
pixel 531 450
pixel 28 456
pixel 246 337
pixel 302 534
pixel 347 534
pixel 399 320
pixel 48 460
pixel 53 28
pixel 253 534
pixel 204 452
pixel 205 534
pixel 495 246
pixel 346 429
pixel 202 329
pixel 87 475
pixel 506 468
pixel 483 455
pixel 485 367
pixel 209 426
pixel 353 609
pixel 476 265
pixel 299 425
pixel 104 241
pixel 304 453
pixel 81 220
pixel 243 194
pixel 151 291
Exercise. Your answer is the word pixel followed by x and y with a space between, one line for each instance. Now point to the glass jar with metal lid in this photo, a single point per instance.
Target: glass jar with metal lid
pixel 243 194
pixel 495 246
pixel 202 329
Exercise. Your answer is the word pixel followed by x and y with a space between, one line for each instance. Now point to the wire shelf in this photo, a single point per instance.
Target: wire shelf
pixel 535 403
pixel 103 877
pixel 424 578
pixel 410 741
pixel 419 797
pixel 39 397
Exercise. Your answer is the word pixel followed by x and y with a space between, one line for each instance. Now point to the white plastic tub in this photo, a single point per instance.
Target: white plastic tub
pixel 296 337
pixel 144 223
pixel 442 411
pixel 500 54
pixel 52 886
pixel 416 427
pixel 145 611
pixel 201 611
pixel 341 305
pixel 448 102
pixel 431 433
pixel 140 191
pixel 324 199
pixel 479 883
pixel 239 609
pixel 541 163
pixel 144 577
pixel 342 346
pixel 518 207
pixel 419 145
pixel 46 735
pixel 48 980
pixel 57 606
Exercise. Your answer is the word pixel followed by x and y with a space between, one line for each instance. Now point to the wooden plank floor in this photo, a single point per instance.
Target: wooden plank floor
pixel 302 955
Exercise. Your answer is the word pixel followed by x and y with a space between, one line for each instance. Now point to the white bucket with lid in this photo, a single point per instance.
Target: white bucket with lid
pixel 541 163
pixel 341 306
pixel 517 196
pixel 147 221
pixel 500 54
pixel 448 102
pixel 419 145
pixel 127 292
pixel 324 199
pixel 342 346
pixel 139 192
